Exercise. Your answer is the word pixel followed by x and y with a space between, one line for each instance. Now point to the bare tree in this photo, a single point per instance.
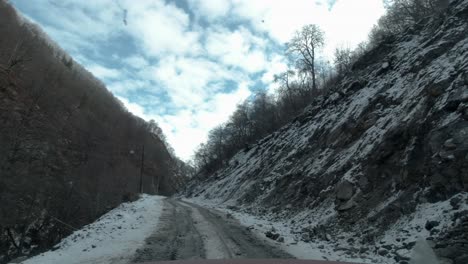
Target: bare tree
pixel 403 13
pixel 284 80
pixel 342 59
pixel 303 48
pixel 66 142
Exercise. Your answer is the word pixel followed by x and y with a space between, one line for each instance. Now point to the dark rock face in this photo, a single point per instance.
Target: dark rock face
pixel 455 202
pixel 431 224
pixel 272 235
pixel 346 206
pixel 453 245
pixel 382 252
pixel 345 191
pixel 371 153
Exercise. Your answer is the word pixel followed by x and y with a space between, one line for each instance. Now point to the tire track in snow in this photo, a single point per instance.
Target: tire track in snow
pixel 189 231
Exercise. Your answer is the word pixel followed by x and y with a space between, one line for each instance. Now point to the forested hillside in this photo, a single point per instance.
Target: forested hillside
pixel 69 150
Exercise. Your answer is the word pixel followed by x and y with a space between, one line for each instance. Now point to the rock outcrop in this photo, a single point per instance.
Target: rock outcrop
pixel 390 142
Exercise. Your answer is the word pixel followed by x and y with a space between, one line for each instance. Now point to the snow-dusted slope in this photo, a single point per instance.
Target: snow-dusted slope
pixel 390 139
pixel 338 248
pixel 113 238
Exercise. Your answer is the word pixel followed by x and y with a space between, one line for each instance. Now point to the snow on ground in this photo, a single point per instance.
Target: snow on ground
pixel 212 242
pixel 414 224
pixel 113 238
pixel 319 250
pixel 335 248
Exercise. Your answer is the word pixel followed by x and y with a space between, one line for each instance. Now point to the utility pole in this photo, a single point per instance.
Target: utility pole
pixel 157 186
pixel 141 169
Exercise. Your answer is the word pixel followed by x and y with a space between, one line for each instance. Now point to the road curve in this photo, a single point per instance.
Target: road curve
pixel 189 231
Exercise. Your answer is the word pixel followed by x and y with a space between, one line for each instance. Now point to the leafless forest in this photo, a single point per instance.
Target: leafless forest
pixel 69 150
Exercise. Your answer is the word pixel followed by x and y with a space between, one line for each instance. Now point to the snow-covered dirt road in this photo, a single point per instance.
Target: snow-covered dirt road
pixel 158 228
pixel 189 231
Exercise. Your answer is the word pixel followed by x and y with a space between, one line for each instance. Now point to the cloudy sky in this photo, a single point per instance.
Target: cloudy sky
pixel 187 63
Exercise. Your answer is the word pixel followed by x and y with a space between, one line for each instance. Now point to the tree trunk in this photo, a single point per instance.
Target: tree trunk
pixel 314 85
pixel 141 168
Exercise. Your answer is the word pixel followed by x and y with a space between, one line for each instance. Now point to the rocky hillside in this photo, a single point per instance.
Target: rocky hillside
pixel 69 150
pixel 383 158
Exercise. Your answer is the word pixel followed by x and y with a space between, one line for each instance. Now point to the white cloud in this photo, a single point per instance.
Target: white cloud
pixel 349 21
pixel 191 59
pixel 275 66
pixel 134 108
pixel 278 18
pixel 84 19
pixel 102 72
pixel 190 81
pixel 187 129
pixel 161 28
pixel 124 86
pixel 239 48
pixel 210 9
pixel 136 61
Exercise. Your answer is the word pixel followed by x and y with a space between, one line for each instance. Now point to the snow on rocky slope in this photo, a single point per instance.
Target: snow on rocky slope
pixel 387 149
pixel 113 238
pixel 291 236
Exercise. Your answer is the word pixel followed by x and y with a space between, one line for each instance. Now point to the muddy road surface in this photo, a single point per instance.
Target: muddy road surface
pixel 189 231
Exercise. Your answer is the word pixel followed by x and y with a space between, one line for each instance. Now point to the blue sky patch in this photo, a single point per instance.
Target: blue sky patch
pixel 187 64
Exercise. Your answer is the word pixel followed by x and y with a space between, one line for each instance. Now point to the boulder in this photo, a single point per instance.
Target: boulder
pixel 387 247
pixel 363 182
pixel 465 114
pixel 431 224
pixel 457 97
pixel 447 155
pixel 272 235
pixel 363 250
pixel 356 85
pixel 384 68
pixel 450 144
pixel 382 252
pixel 233 207
pixel 346 206
pixel 435 90
pixel 401 255
pixel 409 245
pixel 455 202
pixel 345 191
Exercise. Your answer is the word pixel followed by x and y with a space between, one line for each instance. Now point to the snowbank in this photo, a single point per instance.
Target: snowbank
pixel 113 238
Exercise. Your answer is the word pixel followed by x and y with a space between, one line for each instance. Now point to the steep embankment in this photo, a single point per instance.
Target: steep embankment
pixel 391 140
pixel 69 150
